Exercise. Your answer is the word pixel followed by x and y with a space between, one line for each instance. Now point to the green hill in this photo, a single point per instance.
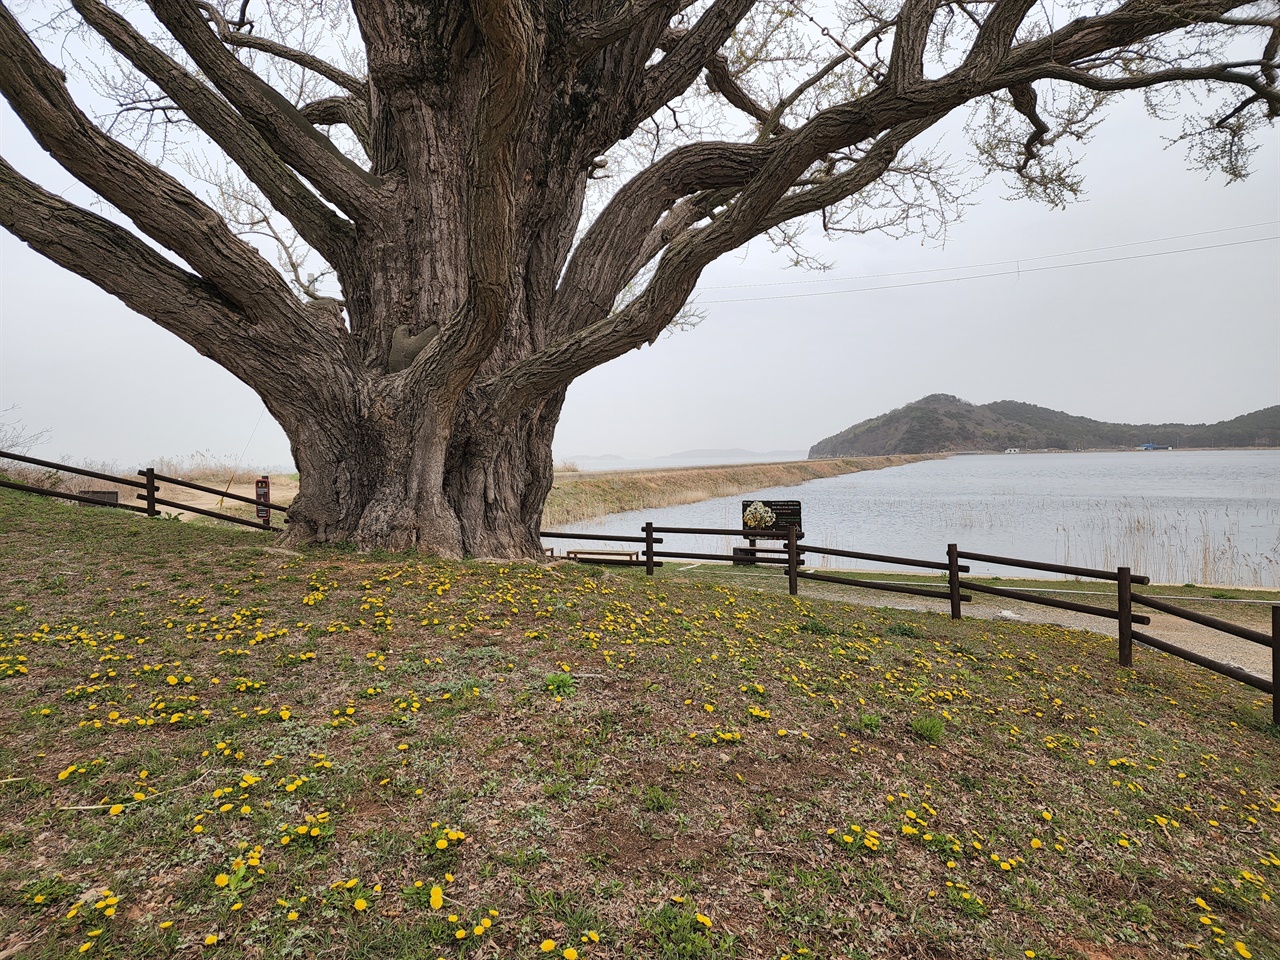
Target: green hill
pixel 940 423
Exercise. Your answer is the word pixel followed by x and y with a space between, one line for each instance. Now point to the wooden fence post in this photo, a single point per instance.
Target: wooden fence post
pixel 793 564
pixel 1275 665
pixel 1124 604
pixel 648 548
pixel 150 475
pixel 953 578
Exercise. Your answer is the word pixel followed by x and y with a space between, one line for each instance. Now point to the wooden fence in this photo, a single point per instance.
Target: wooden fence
pixel 149 485
pixel 791 556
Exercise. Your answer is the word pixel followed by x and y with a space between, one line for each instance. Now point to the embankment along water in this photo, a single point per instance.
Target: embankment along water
pixel 1204 517
pixel 576 497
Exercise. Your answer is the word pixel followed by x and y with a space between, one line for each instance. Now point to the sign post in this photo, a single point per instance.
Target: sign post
pixel 262 492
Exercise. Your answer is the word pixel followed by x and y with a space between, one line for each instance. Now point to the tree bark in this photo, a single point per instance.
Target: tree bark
pixel 401 479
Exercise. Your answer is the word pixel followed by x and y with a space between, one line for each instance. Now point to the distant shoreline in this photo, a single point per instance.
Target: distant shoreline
pixel 577 495
pixel 1001 453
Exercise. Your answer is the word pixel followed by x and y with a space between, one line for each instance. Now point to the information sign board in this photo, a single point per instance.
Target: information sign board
pixel 785 514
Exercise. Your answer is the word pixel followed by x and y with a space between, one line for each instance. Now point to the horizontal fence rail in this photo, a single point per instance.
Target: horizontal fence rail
pixel 64 468
pixel 883 585
pixel 1226 626
pixel 188 508
pixel 549 534
pixel 214 490
pixel 1050 567
pixel 883 558
pixel 1226 669
pixel 149 484
pixel 792 553
pixel 1029 597
pixel 92 501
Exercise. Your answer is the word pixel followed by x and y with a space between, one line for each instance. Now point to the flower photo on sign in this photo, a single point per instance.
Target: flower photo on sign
pixel 758 516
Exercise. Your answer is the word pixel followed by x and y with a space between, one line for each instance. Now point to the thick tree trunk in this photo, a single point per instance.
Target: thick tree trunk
pixel 401 480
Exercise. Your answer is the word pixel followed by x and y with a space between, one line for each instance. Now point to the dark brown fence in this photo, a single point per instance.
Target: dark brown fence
pixel 149 485
pixel 792 554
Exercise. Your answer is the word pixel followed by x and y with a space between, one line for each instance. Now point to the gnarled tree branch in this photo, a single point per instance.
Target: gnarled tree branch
pixel 340 181
pixel 315 222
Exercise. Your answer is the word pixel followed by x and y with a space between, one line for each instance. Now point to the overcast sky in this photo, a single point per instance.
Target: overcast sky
pixel 784 358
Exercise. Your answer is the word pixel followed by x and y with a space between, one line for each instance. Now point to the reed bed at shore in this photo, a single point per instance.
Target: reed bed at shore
pixel 579 496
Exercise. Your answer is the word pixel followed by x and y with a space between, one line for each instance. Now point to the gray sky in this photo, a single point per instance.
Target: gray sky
pixel 1189 337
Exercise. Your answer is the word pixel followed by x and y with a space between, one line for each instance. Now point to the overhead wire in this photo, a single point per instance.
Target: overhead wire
pixel 1018 270
pixel 991 263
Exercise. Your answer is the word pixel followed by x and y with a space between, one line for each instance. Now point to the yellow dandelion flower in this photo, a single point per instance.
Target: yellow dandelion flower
pixel 441 843
pixel 221 880
pixel 361 903
pixel 547 946
pixel 116 808
pixel 166 924
pixel 1243 950
pixel 703 919
pixel 570 954
pixel 437 898
pixel 210 940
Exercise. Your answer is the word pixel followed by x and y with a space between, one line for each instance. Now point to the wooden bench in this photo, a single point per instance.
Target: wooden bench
pixel 603 556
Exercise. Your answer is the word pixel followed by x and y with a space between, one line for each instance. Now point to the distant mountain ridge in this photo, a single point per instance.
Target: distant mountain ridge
pixel 941 423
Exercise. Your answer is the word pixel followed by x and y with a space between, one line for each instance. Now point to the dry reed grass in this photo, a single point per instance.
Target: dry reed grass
pixel 200 467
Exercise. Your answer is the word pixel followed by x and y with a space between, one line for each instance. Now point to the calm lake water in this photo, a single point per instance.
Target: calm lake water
pixel 1207 517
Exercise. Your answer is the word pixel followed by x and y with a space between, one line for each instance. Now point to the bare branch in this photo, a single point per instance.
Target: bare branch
pixel 162 207
pixel 234 34
pixel 601 33
pixel 1024 101
pixel 906 64
pixel 720 79
pixel 676 71
pixel 995 37
pixel 354 191
pixel 112 258
pixel 351 111
pixel 321 228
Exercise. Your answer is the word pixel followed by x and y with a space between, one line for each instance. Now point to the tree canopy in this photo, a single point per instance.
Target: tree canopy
pixel 409 226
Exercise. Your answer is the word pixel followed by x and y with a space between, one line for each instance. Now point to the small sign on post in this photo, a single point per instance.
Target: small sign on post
pixel 262 492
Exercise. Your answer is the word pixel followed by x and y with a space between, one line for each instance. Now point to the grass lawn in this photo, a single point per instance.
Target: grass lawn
pixel 212 748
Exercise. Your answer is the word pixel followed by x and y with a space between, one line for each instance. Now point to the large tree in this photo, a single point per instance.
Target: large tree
pixel 505 195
